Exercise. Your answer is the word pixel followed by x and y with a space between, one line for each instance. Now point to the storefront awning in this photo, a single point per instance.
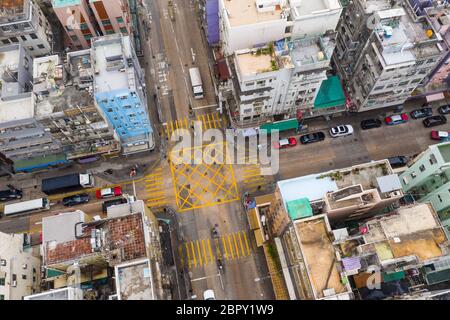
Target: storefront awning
pixel 281 125
pixel 330 94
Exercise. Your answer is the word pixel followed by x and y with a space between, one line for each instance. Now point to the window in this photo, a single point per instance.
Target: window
pixel 74 38
pixel 6 41
pixel 106 22
pixel 24 277
pixel 378 88
pixel 2 297
pixel 403 83
pixel 422 168
pixel 123 30
pixel 109 31
pixel 69 28
pixel 413 175
pixel 41 46
pixel 14 277
pixel 33 36
pixel 439 197
pixel 23 38
pixel 433 159
pixel 83 26
pixel 14 39
pixel 2 281
pixel 119 20
pixel 87 37
pixel 30 48
pixel 248 84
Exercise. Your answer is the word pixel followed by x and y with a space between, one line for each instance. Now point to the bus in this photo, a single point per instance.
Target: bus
pixel 26 206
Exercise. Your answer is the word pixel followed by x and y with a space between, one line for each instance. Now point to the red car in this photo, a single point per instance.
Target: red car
pixel 396 119
pixel 440 135
pixel 109 192
pixel 285 143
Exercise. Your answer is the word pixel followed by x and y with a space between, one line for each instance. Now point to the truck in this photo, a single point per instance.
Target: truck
pixel 196 82
pixel 70 182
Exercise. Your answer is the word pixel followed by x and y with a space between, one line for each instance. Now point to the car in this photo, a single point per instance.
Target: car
pixel 312 137
pixel 209 295
pixel 444 109
pixel 10 194
pixel 109 192
pixel 285 143
pixel 434 121
pixel 370 124
pixel 396 119
pixel 398 161
pixel 112 202
pixel 341 131
pixel 421 113
pixel 440 135
pixel 75 199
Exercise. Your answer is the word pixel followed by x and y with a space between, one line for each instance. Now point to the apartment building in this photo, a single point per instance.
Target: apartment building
pixel 22 139
pixel 19 268
pixel 383 52
pixel 65 107
pixel 22 22
pixel 120 255
pixel 120 93
pixel 427 178
pixel 77 20
pixel 86 19
pixel 344 194
pixel 279 54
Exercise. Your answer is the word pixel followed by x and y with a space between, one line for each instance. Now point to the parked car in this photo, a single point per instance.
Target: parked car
pixel 10 194
pixel 341 131
pixel 109 192
pixel 396 119
pixel 398 162
pixel 370 124
pixel 421 113
pixel 440 135
pixel 444 109
pixel 76 199
pixel 209 295
pixel 285 143
pixel 434 121
pixel 312 137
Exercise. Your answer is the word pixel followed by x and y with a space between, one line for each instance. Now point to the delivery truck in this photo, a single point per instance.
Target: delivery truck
pixel 67 183
pixel 196 82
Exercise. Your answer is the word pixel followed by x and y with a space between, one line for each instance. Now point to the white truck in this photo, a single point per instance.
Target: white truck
pixel 196 81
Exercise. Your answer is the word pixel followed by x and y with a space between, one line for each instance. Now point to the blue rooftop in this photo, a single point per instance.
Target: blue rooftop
pixel 125 112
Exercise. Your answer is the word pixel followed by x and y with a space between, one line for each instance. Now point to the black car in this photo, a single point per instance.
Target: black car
pixel 10 194
pixel 370 124
pixel 444 109
pixel 421 113
pixel 434 121
pixel 398 162
pixel 312 137
pixel 76 199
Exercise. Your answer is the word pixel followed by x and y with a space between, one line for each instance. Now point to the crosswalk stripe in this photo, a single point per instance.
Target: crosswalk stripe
pixel 158 192
pixel 230 247
pixel 160 198
pixel 200 260
pixel 204 251
pixel 210 250
pixel 188 255
pixel 246 242
pixel 235 245
pixel 180 253
pixel 210 121
pixel 193 253
pixel 242 245
pixel 225 247
pixel 154 204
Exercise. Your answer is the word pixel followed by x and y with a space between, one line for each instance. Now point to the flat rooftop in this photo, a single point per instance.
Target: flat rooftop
pixel 413 230
pixel 444 149
pixel 315 7
pixel 13 10
pixel 64 3
pixel 244 12
pixel 319 255
pixel 253 63
pixel 17 109
pixel 134 281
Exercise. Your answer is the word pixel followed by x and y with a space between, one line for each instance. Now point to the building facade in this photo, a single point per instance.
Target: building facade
pixel 20 268
pixel 22 22
pixel 384 52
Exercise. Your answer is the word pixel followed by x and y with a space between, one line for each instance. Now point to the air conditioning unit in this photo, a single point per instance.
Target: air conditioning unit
pixel 3 262
pixel 14 283
pixel 24 266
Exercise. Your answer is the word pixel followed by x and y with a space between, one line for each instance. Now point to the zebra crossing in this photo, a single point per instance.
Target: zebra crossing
pixel 155 190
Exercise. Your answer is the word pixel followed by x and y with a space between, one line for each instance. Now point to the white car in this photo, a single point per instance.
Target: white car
pixel 209 295
pixel 341 131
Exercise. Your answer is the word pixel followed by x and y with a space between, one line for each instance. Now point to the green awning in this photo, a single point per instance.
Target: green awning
pixel 51 273
pixel 330 94
pixel 300 208
pixel 39 162
pixel 281 125
pixel 438 276
pixel 387 277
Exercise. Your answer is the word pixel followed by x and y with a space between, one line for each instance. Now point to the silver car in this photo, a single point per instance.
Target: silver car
pixel 341 131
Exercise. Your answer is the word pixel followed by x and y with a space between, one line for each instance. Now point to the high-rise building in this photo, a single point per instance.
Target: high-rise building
pixel 384 52
pixel 22 22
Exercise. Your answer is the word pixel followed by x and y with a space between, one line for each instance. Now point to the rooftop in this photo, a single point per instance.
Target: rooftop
pixel 319 255
pixel 17 109
pixel 68 293
pixel 251 63
pixel 444 149
pixel 244 12
pixel 134 281
pixel 13 10
pixel 307 8
pixel 64 3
